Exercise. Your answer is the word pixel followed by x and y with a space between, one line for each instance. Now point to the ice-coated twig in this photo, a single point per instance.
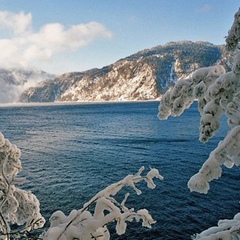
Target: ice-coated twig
pixel 82 224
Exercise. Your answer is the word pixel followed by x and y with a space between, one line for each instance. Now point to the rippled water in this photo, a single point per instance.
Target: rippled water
pixel 70 152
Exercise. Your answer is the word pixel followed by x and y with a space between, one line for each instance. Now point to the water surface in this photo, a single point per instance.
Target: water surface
pixel 70 152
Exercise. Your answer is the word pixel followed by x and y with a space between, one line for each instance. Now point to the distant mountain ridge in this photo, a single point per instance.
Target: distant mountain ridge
pixel 144 75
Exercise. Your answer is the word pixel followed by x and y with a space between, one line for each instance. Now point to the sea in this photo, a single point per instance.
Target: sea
pixel 72 151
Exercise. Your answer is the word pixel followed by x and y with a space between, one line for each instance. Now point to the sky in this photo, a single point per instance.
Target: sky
pixel 59 36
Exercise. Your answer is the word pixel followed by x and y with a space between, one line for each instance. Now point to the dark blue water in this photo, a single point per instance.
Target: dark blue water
pixel 70 152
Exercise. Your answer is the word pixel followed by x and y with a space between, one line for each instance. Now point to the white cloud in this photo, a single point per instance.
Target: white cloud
pixel 17 23
pixel 26 47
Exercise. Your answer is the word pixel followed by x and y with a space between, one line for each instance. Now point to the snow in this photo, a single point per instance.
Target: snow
pixel 23 208
pixel 82 224
pixel 217 93
pixel 122 83
pixel 17 206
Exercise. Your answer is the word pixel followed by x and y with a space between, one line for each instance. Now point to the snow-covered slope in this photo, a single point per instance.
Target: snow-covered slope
pixel 141 76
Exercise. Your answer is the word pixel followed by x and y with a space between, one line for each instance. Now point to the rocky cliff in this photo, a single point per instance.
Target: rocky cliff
pixel 141 76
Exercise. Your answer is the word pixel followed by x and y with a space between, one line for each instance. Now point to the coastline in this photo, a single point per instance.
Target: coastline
pixel 41 104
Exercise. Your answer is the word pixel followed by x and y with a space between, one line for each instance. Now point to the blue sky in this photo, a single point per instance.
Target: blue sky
pixel 59 36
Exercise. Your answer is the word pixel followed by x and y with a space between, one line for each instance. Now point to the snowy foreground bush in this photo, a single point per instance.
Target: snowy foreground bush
pixel 19 207
pixel 218 93
pixel 16 206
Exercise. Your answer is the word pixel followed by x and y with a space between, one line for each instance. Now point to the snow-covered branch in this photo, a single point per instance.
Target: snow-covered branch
pixel 21 207
pixel 86 225
pixel 17 206
pixel 226 229
pixel 217 93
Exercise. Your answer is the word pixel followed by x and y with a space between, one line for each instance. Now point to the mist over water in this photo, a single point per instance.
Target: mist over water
pixel 70 152
pixel 14 81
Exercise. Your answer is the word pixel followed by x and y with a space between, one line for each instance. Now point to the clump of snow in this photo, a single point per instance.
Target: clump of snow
pixel 185 91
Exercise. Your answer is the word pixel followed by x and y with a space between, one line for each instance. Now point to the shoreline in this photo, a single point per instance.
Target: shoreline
pixel 41 104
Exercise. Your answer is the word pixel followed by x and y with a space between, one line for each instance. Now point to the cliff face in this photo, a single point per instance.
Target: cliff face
pixel 141 76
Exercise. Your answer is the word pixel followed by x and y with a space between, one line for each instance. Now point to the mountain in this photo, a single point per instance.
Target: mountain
pixel 141 76
pixel 14 81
